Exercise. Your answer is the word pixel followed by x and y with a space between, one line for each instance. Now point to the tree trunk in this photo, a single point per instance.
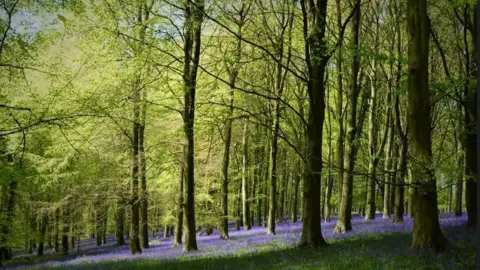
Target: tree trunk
pixel 57 228
pixel 41 235
pixel 193 20
pixel 471 114
pixel 399 189
pixel 295 193
pixel 426 228
pixel 329 181
pixel 66 229
pixel 370 208
pixel 134 200
pixel 5 253
pixel 233 74
pixel 402 161
pixel 104 227
pixel 339 110
pixel 120 222
pixel 142 173
pixel 317 59
pixel 345 210
pixel 179 220
pixel 461 167
pixel 247 225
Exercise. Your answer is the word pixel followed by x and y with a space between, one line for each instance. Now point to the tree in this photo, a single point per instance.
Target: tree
pixel 344 212
pixel 426 228
pixel 193 11
pixel 316 57
pixel 247 225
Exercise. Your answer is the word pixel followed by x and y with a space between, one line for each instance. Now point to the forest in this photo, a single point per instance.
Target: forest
pixel 239 134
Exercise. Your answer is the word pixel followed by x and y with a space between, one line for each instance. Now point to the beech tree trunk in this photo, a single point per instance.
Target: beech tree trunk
pixel 193 20
pixel 471 114
pixel 461 167
pixel 66 229
pixel 339 110
pixel 247 225
pixel 426 228
pixel 120 222
pixel 134 200
pixel 41 236
pixel 142 172
pixel 314 15
pixel 345 210
pixel 179 220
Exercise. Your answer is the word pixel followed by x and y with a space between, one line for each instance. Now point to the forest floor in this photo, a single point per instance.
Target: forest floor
pixel 375 244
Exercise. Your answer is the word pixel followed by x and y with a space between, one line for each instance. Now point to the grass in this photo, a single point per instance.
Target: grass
pixel 387 250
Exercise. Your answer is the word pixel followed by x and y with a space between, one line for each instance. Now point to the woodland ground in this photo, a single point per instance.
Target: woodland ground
pixel 377 244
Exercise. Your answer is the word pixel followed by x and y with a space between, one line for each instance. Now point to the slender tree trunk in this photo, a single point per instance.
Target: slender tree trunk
pixel 5 253
pixel 426 228
pixel 179 221
pixel 371 208
pixel 134 200
pixel 41 235
pixel 399 189
pixel 295 193
pixel 388 179
pixel 339 109
pixel 345 210
pixel 233 74
pixel 57 228
pixel 104 227
pixel 329 185
pixel 273 157
pixel 120 222
pixel 142 173
pixel 72 237
pixel 247 225
pixel 460 165
pixel 402 161
pixel 66 229
pixel 260 183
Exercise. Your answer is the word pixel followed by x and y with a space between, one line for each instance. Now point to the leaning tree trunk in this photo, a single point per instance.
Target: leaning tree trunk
pixel 345 210
pixel 426 227
pixel 193 21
